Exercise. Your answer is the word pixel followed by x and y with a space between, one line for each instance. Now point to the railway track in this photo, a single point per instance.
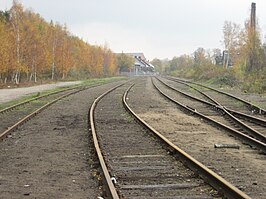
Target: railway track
pixel 14 116
pixel 228 100
pixel 138 162
pixel 52 155
pixel 247 115
pixel 217 114
pixel 39 96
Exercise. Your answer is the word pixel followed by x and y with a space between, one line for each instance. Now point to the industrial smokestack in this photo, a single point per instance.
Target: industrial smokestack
pixel 252 38
pixel 253 17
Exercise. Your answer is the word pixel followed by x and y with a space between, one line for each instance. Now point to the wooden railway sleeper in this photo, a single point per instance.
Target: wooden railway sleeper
pixel 219 107
pixel 249 140
pixel 252 106
pixel 233 112
pixel 216 181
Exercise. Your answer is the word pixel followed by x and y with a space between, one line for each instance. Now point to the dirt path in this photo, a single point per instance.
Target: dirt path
pixel 15 93
pixel 52 156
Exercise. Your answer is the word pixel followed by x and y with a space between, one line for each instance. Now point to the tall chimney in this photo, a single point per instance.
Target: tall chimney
pixel 253 17
pixel 252 37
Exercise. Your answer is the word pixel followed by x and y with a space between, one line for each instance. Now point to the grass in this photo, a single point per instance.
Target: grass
pixel 88 82
pixel 16 101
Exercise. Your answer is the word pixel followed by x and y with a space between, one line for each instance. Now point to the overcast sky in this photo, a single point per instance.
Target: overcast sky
pixel 158 28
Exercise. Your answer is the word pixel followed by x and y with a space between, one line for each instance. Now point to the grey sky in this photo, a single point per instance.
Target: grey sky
pixel 159 28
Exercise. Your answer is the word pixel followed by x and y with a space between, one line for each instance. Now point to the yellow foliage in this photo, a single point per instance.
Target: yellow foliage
pixel 30 46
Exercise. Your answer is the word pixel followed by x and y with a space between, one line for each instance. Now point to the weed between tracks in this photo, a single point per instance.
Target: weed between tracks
pixel 89 82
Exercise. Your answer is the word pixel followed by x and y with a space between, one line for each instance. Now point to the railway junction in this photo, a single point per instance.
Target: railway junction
pixel 137 138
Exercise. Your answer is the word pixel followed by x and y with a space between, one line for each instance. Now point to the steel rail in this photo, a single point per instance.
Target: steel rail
pixel 36 98
pixel 31 115
pixel 208 175
pixel 217 106
pixel 251 105
pixel 233 112
pixel 247 139
pixel 111 190
pixel 202 93
pixel 247 117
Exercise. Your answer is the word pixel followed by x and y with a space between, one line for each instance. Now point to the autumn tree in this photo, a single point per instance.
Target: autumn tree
pixel 233 40
pixel 125 62
pixel 53 38
pixel 173 64
pixel 255 53
pixel 109 61
pixel 6 55
pixel 110 64
pixel 157 63
pixel 16 20
pixel 199 57
pixel 36 51
pixel 33 49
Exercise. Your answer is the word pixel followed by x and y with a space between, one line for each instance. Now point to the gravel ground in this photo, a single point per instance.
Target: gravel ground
pixel 52 156
pixel 142 167
pixel 245 168
pixel 257 99
pixel 15 93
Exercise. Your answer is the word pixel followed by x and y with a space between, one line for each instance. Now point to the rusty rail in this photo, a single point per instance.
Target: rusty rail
pixel 247 139
pixel 212 178
pixel 28 117
pixel 251 105
pixel 217 106
pixel 110 188
pixel 31 115
pixel 36 98
pixel 233 112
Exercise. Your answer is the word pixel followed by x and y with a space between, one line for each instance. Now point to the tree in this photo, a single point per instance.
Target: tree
pixel 173 64
pixel 4 15
pixel 157 63
pixel 124 62
pixel 255 54
pixel 16 19
pixel 182 62
pixel 53 42
pixel 109 60
pixel 110 65
pixel 232 40
pixel 6 55
pixel 185 61
pixel 33 49
pixel 199 57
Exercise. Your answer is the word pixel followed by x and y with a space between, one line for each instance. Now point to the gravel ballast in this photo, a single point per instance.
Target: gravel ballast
pixel 244 167
pixel 52 155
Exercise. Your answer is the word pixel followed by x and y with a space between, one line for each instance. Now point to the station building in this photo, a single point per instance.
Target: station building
pixel 141 66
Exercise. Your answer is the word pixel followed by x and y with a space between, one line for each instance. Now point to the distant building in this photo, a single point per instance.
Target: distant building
pixel 227 58
pixel 141 66
pixel 137 55
pixel 221 59
pixel 218 60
